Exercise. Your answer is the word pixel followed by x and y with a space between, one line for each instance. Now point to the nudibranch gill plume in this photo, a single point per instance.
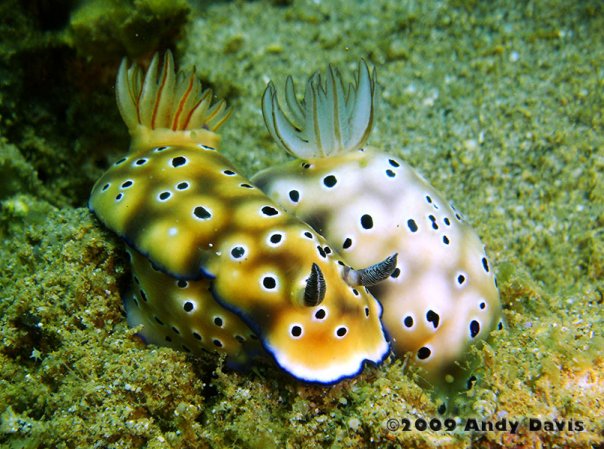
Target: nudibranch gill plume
pixel 216 264
pixel 441 298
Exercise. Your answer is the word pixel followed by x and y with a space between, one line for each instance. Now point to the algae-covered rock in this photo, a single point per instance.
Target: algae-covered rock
pixel 57 66
pixel 16 173
pixel 66 352
pixel 101 29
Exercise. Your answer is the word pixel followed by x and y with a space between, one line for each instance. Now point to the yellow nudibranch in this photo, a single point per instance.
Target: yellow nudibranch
pixel 442 296
pixel 217 265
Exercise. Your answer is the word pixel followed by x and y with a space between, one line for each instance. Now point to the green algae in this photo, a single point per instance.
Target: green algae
pixel 57 69
pixel 104 29
pixel 16 174
pixel 499 105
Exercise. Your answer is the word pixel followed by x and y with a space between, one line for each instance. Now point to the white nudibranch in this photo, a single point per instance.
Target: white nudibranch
pixel 441 297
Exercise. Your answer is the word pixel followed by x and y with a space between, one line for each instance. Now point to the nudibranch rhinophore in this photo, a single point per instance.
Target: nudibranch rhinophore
pixel 217 265
pixel 442 296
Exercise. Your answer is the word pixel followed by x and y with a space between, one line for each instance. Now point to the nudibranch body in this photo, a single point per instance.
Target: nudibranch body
pixel 442 297
pixel 216 264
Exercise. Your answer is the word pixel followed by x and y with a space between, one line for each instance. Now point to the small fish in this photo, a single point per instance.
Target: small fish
pixel 441 297
pixel 215 262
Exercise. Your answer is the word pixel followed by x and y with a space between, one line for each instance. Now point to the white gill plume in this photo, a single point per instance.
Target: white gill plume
pixel 329 121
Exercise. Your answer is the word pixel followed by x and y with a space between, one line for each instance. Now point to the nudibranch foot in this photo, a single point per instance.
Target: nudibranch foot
pixel 184 315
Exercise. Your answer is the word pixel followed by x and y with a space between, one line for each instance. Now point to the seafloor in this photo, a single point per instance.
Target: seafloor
pixel 499 104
